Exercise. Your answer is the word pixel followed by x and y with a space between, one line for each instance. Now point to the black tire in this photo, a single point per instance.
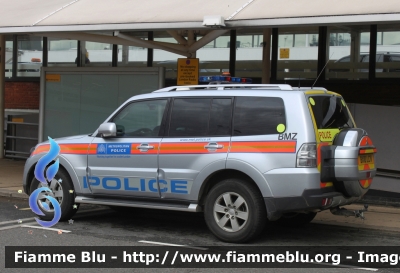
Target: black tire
pixel 295 219
pixel 68 206
pixel 239 230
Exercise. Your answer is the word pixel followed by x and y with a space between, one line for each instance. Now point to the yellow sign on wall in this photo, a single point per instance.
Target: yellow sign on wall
pixel 188 71
pixel 17 119
pixel 53 77
pixel 284 53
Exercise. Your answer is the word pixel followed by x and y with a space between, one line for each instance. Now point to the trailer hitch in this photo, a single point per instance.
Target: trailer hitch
pixel 347 213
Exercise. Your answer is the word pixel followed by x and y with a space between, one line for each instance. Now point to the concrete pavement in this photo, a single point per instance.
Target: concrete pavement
pixel 377 217
pixel 11 178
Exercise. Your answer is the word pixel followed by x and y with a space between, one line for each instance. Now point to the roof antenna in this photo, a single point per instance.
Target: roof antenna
pixel 322 70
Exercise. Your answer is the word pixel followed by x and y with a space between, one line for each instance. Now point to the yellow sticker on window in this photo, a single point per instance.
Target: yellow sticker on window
pixel 312 101
pixel 327 135
pixel 281 128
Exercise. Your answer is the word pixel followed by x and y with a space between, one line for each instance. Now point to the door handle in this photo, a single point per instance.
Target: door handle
pixel 213 146
pixel 144 147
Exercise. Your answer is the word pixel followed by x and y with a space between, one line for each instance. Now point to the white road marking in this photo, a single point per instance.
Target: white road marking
pixel 16 221
pixel 166 244
pixel 45 228
pixel 14 226
pixel 348 266
pixel 25 221
pixel 25 209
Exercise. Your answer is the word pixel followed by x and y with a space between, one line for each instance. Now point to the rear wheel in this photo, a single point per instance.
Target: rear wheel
pixel 296 219
pixel 235 211
pixel 62 190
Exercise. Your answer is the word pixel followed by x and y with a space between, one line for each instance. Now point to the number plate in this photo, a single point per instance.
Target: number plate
pixel 366 159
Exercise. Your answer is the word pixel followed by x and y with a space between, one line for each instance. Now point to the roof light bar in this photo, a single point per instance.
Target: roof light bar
pixel 224 79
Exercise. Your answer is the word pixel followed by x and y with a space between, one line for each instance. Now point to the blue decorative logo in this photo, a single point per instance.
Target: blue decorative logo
pixel 50 174
pixel 101 149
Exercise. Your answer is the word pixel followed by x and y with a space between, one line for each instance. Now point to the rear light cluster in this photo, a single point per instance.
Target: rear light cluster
pixel 228 79
pixel 307 156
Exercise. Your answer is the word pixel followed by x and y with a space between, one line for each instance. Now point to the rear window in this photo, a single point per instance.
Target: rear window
pixel 258 116
pixel 330 112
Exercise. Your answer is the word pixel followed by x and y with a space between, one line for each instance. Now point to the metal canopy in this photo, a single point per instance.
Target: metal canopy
pixel 28 16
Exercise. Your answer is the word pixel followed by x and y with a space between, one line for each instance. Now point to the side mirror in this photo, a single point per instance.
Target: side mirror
pixel 108 129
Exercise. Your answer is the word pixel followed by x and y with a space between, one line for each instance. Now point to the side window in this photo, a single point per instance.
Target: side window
pixel 140 119
pixel 258 116
pixel 190 117
pixel 220 117
pixel 193 117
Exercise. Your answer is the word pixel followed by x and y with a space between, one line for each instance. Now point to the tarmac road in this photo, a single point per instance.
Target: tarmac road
pixel 101 226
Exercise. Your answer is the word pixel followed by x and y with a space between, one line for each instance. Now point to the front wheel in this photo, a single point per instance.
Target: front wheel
pixel 235 211
pixel 62 190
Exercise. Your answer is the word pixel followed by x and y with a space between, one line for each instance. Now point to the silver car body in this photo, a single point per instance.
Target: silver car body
pixel 157 178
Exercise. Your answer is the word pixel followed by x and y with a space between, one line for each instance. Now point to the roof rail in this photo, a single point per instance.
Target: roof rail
pixel 225 87
pixel 310 89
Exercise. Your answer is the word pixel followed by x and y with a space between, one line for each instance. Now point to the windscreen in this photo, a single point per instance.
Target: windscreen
pixel 330 112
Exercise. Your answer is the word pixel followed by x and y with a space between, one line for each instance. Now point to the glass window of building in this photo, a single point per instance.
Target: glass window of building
pixel 388 51
pixel 30 53
pixel 249 53
pixel 165 58
pixel 348 53
pixel 62 52
pixel 129 55
pixel 214 57
pixel 297 53
pixel 9 56
pixel 96 54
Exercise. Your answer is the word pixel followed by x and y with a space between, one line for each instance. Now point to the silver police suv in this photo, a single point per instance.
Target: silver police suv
pixel 241 153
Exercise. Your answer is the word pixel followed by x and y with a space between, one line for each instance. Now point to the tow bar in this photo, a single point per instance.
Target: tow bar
pixel 347 213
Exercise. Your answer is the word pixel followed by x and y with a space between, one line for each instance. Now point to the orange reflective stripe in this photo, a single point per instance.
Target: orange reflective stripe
pixel 135 150
pixel 185 148
pixel 41 149
pixel 368 151
pixel 263 147
pixel 191 148
pixel 68 149
pixel 74 148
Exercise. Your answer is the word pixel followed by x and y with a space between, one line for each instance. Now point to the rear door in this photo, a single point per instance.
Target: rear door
pixel 197 140
pixel 257 141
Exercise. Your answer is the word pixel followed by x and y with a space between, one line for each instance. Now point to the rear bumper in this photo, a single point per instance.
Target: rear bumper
pixel 310 200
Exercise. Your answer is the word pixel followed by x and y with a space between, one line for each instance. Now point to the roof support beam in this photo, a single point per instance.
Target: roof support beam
pixel 118 40
pixel 180 39
pixel 211 36
pixel 149 44
pixel 187 49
